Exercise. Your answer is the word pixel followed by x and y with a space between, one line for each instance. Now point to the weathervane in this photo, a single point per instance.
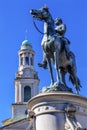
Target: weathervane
pixel 26 34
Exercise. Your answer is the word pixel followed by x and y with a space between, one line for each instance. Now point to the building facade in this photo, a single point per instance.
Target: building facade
pixel 26 86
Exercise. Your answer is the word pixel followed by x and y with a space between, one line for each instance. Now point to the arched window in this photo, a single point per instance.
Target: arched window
pixel 21 61
pixel 27 93
pixel 27 60
pixel 31 59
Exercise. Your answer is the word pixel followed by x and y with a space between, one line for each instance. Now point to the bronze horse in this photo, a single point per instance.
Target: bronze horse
pixel 52 47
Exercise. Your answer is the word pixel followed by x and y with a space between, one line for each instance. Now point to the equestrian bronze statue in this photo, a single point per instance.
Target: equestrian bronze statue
pixel 56 49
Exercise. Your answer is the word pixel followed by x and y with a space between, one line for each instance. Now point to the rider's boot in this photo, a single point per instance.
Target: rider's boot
pixel 43 65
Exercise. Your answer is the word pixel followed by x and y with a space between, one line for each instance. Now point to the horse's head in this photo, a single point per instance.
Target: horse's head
pixel 41 14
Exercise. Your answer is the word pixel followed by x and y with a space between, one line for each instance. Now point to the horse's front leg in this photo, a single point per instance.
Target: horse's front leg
pixel 50 70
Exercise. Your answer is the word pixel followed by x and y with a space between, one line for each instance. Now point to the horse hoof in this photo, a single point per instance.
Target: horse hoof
pixel 56 83
pixel 51 85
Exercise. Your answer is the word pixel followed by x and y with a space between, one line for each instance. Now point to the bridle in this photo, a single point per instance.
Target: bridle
pixel 37 27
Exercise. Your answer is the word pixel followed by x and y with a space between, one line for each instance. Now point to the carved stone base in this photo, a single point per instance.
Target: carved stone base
pixel 59 111
pixel 56 87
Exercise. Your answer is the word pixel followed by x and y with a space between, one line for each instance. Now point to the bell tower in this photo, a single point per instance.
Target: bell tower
pixel 26 81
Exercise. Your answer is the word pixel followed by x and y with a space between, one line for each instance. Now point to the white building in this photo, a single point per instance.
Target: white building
pixel 26 86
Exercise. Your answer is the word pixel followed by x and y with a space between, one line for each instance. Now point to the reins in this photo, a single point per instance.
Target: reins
pixel 37 27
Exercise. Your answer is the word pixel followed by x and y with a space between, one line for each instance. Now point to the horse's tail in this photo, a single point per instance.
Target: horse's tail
pixel 71 79
pixel 75 82
pixel 79 83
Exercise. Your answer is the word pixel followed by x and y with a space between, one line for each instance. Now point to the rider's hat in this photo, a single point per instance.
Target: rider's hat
pixel 45 7
pixel 58 21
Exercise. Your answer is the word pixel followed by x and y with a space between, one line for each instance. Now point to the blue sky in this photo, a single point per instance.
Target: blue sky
pixel 15 19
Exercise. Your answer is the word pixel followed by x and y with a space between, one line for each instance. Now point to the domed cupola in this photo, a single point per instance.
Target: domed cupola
pixel 26 45
pixel 26 55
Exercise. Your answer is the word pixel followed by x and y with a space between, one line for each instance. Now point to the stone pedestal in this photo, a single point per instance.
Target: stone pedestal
pixel 59 111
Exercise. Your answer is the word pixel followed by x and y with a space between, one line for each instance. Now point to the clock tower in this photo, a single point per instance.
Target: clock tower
pixel 26 81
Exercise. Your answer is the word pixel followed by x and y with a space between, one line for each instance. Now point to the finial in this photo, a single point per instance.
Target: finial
pixel 26 34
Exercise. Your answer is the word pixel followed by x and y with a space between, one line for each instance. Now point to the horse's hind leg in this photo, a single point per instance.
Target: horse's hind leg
pixel 50 70
pixel 62 76
pixel 56 57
